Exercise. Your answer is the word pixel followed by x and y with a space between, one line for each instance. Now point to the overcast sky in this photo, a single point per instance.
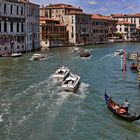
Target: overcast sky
pixel 105 7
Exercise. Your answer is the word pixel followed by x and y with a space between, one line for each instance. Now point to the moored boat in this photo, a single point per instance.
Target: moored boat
pixel 71 83
pixel 120 111
pixel 16 54
pixel 61 74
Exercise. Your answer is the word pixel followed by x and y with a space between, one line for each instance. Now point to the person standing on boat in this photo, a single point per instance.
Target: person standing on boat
pixel 126 104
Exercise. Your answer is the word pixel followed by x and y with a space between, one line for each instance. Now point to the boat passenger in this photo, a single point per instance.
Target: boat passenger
pixel 122 111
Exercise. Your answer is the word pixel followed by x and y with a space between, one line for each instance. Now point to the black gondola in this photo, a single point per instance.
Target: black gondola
pixel 115 108
pixel 134 67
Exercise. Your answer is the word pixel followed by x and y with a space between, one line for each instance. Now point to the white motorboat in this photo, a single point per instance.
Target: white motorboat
pixel 119 52
pixel 133 56
pixel 16 54
pixel 61 74
pixel 71 83
pixel 37 56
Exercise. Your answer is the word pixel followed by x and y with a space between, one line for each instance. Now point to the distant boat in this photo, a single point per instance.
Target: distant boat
pixel 132 56
pixel 85 53
pixel 134 67
pixel 61 74
pixel 71 83
pixel 120 111
pixel 16 54
pixel 37 56
pixel 119 52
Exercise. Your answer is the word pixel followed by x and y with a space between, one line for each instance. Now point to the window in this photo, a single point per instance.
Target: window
pixel 72 28
pixel 21 10
pixel 17 26
pixel 5 26
pixel 11 26
pixel 17 10
pixel 22 27
pixel 0 26
pixel 11 9
pixel 4 8
pixel 72 20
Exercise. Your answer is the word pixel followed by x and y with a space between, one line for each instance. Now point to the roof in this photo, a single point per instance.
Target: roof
pixel 27 1
pixel 125 15
pixel 102 17
pixel 73 12
pixel 61 6
pixel 125 23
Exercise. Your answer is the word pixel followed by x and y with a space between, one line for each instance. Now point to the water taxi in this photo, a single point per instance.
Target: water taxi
pixel 61 74
pixel 71 83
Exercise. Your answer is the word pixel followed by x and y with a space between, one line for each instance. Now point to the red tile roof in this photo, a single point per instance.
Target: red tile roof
pixel 125 15
pixel 61 6
pixel 125 23
pixel 74 12
pixel 101 17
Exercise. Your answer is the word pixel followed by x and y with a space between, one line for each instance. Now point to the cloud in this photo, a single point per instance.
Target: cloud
pixel 130 7
pixel 92 2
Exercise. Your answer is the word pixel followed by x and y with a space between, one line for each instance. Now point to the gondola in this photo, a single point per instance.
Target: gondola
pixel 116 108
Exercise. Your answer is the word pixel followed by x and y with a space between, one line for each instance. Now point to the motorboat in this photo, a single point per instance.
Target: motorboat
pixel 78 49
pixel 71 83
pixel 61 74
pixel 37 56
pixel 132 56
pixel 16 54
pixel 119 52
pixel 85 53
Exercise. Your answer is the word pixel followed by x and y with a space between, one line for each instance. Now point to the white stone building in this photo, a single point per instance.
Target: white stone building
pixel 14 20
pixel 127 30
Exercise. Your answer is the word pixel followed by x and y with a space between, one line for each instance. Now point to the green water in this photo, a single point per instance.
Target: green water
pixel 33 107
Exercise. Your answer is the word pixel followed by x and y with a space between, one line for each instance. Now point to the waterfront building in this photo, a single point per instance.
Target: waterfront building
pixel 127 30
pixel 131 18
pixel 12 26
pixel 52 33
pixel 78 23
pixel 31 25
pixel 103 28
pixel 15 16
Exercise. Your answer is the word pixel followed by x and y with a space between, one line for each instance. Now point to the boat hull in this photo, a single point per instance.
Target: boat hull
pixel 71 87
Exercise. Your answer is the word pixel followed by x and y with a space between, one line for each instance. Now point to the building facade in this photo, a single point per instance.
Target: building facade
pixel 127 30
pixel 130 18
pixel 31 25
pixel 103 27
pixel 78 23
pixel 14 25
pixel 52 33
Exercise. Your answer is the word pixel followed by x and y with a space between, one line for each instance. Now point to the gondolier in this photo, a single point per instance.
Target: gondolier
pixel 126 104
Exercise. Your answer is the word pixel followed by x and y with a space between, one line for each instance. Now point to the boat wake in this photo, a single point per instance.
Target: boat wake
pixel 105 57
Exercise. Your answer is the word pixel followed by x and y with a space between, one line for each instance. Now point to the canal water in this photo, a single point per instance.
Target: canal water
pixel 33 107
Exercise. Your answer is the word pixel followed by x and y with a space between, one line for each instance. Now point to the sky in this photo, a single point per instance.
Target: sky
pixel 105 7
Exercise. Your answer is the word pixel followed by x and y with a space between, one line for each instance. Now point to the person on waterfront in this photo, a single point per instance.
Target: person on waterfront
pixel 126 104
